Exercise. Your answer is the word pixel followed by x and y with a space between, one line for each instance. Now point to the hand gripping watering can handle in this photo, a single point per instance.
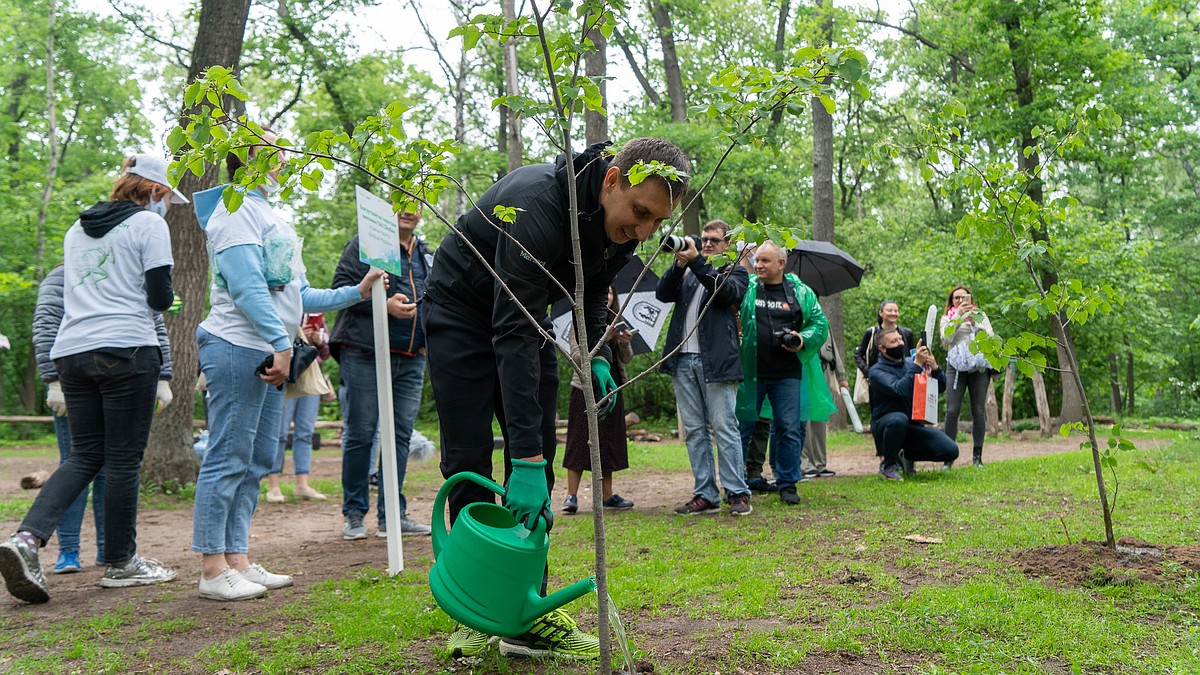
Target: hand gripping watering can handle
pixel 439 503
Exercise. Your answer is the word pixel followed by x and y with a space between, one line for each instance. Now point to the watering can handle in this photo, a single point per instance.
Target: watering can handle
pixel 439 503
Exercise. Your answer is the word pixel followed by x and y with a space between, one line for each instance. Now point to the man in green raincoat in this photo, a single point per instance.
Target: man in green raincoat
pixel 783 329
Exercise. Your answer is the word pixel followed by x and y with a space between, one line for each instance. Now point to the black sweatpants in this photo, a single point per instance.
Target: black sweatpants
pixel 466 390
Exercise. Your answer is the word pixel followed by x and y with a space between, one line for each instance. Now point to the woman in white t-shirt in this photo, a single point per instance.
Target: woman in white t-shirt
pixel 259 294
pixel 117 260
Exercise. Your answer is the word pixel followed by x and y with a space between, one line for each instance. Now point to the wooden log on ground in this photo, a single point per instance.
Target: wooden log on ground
pixel 34 480
pixel 1043 405
pixel 1178 426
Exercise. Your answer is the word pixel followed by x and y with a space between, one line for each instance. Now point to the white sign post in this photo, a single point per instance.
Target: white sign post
pixel 379 246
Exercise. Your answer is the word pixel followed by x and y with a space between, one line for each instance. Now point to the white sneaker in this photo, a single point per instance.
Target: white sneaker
pixel 229 586
pixel 275 496
pixel 256 574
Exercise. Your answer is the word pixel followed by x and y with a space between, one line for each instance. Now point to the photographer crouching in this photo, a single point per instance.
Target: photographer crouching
pixel 783 327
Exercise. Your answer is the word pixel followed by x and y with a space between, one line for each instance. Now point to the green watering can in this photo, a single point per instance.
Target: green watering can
pixel 488 568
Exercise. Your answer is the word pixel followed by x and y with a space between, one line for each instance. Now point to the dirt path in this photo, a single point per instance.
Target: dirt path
pixel 304 539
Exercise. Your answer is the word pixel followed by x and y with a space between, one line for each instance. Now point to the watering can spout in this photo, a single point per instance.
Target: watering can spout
pixel 539 606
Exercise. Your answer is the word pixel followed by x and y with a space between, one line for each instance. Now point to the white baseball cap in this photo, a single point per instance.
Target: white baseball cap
pixel 154 167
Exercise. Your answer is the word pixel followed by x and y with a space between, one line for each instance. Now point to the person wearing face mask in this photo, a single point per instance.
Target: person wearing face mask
pixel 886 317
pixel 117 278
pixel 47 319
pixel 258 296
pixel 902 440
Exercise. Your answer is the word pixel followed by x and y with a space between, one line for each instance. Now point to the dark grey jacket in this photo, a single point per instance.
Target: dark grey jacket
pixel 47 317
pixel 718 331
pixel 355 326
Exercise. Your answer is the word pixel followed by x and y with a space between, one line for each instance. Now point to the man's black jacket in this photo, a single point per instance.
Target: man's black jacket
pixel 542 228
pixel 354 326
pixel 892 386
pixel 718 330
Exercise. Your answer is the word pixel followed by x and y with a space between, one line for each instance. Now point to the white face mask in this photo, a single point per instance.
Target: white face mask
pixel 270 187
pixel 159 207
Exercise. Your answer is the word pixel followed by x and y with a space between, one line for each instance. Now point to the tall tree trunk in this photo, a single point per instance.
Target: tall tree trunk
pixel 823 200
pixel 596 62
pixel 169 454
pixel 666 38
pixel 16 91
pixel 637 70
pixel 1129 409
pixel 516 146
pixel 52 167
pixel 29 380
pixel 1030 161
pixel 754 204
pixel 678 100
pixel 1114 384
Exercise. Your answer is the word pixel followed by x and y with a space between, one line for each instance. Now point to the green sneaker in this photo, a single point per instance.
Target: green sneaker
pixel 555 634
pixel 468 642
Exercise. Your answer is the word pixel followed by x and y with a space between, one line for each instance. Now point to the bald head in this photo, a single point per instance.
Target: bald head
pixel 769 261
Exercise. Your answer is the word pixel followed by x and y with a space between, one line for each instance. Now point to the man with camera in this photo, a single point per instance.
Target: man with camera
pixel 902 440
pixel 702 360
pixel 783 328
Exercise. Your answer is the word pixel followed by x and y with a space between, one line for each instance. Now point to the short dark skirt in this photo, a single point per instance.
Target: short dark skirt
pixel 614 451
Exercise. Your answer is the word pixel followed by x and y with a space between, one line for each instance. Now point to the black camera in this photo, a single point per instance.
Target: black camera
pixel 673 242
pixel 787 339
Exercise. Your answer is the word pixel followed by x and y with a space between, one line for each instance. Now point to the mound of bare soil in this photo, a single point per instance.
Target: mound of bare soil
pixel 1092 563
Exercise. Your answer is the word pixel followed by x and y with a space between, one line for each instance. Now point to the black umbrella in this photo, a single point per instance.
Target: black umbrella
pixel 643 312
pixel 823 267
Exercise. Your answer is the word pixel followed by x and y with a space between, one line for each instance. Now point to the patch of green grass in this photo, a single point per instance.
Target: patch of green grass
pixel 834 576
pixel 14 509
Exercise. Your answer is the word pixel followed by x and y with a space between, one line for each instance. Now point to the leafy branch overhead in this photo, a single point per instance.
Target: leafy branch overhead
pixel 1017 230
pixel 415 170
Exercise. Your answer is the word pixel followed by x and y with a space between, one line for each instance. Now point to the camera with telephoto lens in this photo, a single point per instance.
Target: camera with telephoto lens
pixel 784 338
pixel 673 242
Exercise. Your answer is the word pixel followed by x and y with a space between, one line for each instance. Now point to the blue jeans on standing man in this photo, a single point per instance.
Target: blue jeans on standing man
pixel 360 417
pixel 244 416
pixel 703 405
pixel 72 520
pixel 788 428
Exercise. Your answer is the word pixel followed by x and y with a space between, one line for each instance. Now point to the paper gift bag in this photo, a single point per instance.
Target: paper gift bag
pixel 925 399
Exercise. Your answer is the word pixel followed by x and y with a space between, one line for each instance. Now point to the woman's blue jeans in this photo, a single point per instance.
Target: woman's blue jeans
pixel 301 412
pixel 244 416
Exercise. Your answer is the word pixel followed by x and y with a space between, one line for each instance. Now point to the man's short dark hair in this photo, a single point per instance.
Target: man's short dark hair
pixel 881 334
pixel 648 149
pixel 721 225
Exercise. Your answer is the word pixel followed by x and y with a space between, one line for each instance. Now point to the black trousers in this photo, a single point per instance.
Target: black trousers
pixel 466 390
pixel 894 432
pixel 110 403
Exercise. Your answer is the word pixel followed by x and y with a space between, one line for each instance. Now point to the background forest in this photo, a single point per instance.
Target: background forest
pixel 89 82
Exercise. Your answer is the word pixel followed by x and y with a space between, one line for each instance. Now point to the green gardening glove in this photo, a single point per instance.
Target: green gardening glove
pixel 527 496
pixel 176 304
pixel 603 384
